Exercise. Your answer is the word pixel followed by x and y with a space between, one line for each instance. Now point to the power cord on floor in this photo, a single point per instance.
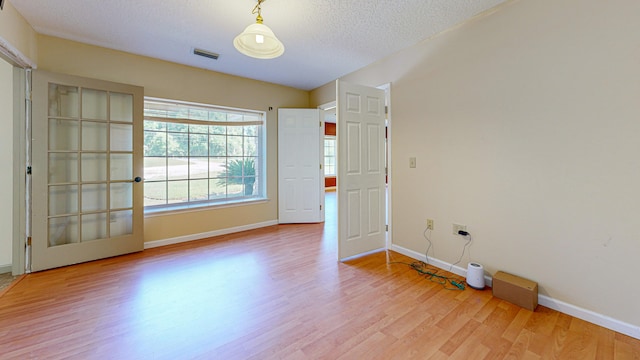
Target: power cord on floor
pixel 422 268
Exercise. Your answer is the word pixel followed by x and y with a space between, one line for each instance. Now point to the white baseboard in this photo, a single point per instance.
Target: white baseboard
pixel 561 306
pixel 208 234
pixel 6 268
pixel 590 316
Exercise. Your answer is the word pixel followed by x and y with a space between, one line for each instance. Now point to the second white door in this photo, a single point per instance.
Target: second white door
pixel 300 174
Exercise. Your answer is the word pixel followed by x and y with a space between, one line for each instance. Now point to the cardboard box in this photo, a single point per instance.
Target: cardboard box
pixel 515 290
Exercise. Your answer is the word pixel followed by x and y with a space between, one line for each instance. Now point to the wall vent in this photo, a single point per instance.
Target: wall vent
pixel 205 53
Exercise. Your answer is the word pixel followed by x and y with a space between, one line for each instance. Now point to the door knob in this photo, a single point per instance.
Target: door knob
pixel 137 179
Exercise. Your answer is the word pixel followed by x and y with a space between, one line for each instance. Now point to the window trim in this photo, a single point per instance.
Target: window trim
pixel 335 155
pixel 261 155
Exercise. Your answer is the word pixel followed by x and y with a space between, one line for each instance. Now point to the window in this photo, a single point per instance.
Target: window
pixel 329 156
pixel 201 155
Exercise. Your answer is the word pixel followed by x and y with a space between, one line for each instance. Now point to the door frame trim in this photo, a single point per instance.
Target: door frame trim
pixel 14 56
pixel 387 98
pixel 22 66
pixel 21 191
pixel 323 109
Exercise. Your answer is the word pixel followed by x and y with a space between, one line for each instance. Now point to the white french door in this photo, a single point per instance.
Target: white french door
pixel 86 170
pixel 300 176
pixel 361 169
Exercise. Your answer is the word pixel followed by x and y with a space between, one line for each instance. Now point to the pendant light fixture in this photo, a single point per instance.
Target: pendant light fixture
pixel 257 40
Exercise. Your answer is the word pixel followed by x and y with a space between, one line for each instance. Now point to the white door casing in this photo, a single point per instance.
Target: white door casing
pixel 361 169
pixel 300 176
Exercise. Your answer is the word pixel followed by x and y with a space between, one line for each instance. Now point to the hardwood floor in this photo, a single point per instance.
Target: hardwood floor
pixel 277 293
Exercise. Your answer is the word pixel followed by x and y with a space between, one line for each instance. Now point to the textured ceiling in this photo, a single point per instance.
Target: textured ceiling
pixel 324 39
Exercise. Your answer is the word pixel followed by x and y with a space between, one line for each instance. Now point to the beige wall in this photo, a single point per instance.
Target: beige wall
pixel 6 164
pixel 15 30
pixel 173 81
pixel 525 125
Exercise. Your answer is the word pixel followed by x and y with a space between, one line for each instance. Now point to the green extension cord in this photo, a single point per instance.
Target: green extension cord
pixel 443 280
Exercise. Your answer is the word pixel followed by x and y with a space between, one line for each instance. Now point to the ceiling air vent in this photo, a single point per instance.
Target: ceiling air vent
pixel 205 53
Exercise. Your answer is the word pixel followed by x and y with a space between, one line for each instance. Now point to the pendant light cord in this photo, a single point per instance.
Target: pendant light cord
pixel 258 10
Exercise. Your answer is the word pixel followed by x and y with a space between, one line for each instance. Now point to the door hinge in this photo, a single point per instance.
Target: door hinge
pixel 29 241
pixel 320 123
pixel 386 109
pixel 320 207
pixel 386 228
pixel 386 171
pixel 320 166
pixel 28 170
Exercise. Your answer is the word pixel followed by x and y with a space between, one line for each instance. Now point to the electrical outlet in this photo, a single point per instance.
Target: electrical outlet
pixel 430 224
pixel 458 227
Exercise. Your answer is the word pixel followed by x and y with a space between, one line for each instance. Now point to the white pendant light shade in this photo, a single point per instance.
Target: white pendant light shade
pixel 258 41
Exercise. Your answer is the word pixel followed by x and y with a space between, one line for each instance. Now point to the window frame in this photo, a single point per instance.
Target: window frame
pixel 172 124
pixel 334 139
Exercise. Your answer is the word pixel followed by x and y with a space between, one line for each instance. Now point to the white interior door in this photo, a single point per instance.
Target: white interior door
pixel 361 174
pixel 87 167
pixel 300 175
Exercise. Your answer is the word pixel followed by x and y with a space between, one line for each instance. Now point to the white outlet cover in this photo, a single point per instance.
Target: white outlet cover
pixel 458 227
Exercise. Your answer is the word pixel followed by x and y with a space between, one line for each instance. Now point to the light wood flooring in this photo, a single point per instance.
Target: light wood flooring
pixel 277 293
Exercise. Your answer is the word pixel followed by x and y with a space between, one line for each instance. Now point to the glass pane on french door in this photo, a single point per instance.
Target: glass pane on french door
pixel 87 197
pixel 92 202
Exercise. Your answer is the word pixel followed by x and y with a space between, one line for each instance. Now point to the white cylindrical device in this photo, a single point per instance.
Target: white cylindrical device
pixel 475 276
